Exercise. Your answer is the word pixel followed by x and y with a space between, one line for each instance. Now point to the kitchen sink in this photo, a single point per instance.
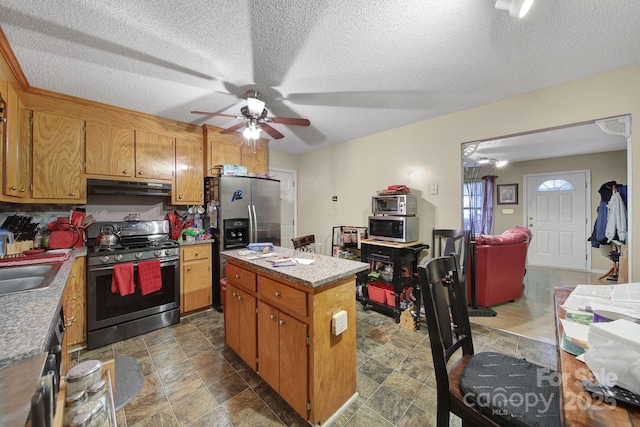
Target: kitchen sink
pixel 27 277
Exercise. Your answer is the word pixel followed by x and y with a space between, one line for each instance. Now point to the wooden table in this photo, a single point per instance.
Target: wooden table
pixel 578 407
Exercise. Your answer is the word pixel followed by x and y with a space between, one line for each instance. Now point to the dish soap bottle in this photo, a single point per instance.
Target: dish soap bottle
pixel 37 239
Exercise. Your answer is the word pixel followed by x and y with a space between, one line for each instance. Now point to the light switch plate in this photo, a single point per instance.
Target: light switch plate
pixel 434 189
pixel 339 322
pixel 507 211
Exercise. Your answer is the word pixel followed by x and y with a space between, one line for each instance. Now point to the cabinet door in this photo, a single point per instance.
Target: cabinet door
pixel 241 325
pixel 197 284
pixel 58 158
pixel 268 345
pixel 221 149
pixel 188 187
pixel 17 149
pixel 109 150
pixel 74 298
pixel 254 156
pixel 154 155
pixel 294 365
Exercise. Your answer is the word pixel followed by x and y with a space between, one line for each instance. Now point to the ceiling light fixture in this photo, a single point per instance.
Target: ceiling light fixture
pixel 516 8
pixel 251 131
pixel 501 163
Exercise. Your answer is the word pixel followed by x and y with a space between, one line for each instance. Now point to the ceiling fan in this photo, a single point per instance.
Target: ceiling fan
pixel 255 119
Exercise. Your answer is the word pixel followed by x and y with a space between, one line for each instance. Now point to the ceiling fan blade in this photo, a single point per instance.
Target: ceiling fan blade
pixel 271 131
pixel 214 114
pixel 289 121
pixel 233 128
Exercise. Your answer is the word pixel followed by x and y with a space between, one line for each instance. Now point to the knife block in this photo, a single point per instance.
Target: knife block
pixel 19 247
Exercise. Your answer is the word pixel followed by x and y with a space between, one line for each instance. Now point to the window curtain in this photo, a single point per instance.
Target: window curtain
pixel 486 221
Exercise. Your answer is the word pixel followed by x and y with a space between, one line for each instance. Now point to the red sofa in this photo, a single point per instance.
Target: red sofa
pixel 499 266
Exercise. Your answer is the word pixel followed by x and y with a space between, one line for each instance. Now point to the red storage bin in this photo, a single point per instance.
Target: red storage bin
pixel 405 295
pixel 378 292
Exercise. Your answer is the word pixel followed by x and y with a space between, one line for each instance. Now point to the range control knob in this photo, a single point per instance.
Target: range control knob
pixel 168 252
pixel 118 257
pixel 139 255
pixel 157 253
pixel 104 258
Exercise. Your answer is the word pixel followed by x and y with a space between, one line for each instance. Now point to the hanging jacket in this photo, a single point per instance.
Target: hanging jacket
pixel 598 236
pixel 616 219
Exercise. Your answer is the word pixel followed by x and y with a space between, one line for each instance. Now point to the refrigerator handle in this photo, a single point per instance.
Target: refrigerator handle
pixel 251 225
pixel 255 224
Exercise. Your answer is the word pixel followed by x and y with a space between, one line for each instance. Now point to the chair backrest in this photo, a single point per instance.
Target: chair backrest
pixel 304 243
pixel 447 318
pixel 448 241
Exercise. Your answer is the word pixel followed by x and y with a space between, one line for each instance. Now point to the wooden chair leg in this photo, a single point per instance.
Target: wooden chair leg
pixel 608 273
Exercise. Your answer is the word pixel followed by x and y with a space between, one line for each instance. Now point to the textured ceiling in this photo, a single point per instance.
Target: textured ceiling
pixel 353 68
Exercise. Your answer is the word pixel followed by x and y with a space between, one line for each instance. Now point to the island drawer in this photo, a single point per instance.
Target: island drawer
pixel 283 295
pixel 241 277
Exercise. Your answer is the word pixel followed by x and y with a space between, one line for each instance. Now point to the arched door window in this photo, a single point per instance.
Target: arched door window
pixel 556 185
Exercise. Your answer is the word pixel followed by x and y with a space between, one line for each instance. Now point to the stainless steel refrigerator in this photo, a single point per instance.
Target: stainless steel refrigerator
pixel 240 210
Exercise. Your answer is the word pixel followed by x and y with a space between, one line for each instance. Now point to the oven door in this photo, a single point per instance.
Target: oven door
pixel 105 308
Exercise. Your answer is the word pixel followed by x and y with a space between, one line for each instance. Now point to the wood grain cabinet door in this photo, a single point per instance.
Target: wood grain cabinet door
pixel 58 158
pixel 294 364
pixel 254 155
pixel 188 187
pixel 17 147
pixel 109 150
pixel 154 155
pixel 268 345
pixel 75 304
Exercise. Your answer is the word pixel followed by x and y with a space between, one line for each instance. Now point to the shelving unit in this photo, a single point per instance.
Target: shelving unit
pixel 345 242
pixel 392 266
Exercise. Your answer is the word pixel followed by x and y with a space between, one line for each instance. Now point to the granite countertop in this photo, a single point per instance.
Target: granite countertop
pixel 27 318
pixel 323 270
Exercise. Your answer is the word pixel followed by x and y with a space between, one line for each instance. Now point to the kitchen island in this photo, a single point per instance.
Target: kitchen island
pixel 280 321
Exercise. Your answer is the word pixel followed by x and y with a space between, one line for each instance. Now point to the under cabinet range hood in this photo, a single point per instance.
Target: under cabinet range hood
pixel 128 188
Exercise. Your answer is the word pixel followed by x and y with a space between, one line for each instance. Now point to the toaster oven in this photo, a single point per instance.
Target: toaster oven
pixel 394 204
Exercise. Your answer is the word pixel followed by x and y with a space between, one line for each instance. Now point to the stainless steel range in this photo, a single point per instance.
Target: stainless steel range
pixel 112 317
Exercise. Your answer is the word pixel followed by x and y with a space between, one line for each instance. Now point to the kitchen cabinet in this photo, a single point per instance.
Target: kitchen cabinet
pixel 282 343
pixel 58 159
pixel 188 187
pixel 392 274
pixel 233 149
pixel 154 156
pixel 109 151
pixel 311 368
pixel 74 306
pixel 240 318
pixel 17 147
pixel 195 277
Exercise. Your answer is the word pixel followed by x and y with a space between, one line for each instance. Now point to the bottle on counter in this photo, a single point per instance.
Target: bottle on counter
pixel 37 239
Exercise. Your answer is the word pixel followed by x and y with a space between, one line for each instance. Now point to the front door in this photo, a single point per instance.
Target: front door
pixel 556 213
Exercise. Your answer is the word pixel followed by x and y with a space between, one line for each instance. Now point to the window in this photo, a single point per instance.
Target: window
pixel 556 185
pixel 472 196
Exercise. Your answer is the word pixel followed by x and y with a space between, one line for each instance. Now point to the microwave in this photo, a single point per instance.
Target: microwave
pixel 394 228
pixel 394 204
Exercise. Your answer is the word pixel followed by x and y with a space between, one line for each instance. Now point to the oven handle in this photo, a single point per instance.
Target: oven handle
pixel 163 263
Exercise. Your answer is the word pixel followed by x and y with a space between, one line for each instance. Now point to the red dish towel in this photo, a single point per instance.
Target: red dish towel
pixel 122 279
pixel 149 277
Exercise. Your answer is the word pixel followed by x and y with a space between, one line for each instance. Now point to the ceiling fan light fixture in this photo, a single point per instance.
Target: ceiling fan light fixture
pixel 516 8
pixel 501 163
pixel 255 105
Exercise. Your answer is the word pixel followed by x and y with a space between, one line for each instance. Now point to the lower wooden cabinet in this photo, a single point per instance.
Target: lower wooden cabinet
pixel 195 277
pixel 283 355
pixel 240 326
pixel 74 305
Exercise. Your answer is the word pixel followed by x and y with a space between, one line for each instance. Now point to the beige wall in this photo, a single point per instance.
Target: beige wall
pixel 611 166
pixel 429 152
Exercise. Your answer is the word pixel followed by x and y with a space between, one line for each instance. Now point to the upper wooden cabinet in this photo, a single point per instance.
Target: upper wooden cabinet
pixel 188 187
pixel 232 149
pixel 154 156
pixel 17 147
pixel 58 158
pixel 109 151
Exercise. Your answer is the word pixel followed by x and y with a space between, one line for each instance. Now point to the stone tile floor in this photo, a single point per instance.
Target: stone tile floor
pixel 191 378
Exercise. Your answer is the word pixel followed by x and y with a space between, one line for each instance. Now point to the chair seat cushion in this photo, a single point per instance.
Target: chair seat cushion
pixel 511 391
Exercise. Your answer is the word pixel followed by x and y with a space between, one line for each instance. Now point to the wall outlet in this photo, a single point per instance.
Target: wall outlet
pixel 507 211
pixel 434 189
pixel 339 322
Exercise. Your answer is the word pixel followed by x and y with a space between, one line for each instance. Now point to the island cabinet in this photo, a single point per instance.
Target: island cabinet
pixel 311 368
pixel 58 159
pixel 240 313
pixel 188 187
pixel 195 277
pixel 17 147
pixel 109 151
pixel 74 308
pixel 233 149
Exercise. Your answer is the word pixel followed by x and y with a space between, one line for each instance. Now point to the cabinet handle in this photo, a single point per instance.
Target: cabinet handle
pixel 273 316
pixel 70 321
pixel 74 297
pixel 197 253
pixel 73 193
pixel 74 275
pixel 281 322
pixel 22 190
pixel 188 268
pixel 140 173
pixel 180 196
pixel 237 276
pixel 125 172
pixel 276 293
pixel 235 295
pixel 13 188
pixel 240 297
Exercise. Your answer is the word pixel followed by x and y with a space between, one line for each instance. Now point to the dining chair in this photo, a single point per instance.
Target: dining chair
pixel 487 388
pixel 305 243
